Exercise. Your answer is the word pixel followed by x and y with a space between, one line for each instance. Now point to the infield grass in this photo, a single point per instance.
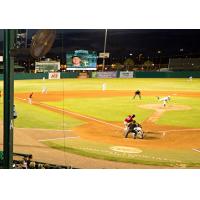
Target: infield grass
pixel 114 109
pixel 183 118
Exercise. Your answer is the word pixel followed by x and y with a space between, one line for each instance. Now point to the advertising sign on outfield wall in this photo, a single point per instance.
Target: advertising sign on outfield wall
pixel 126 75
pixel 94 74
pixel 106 74
pixel 54 75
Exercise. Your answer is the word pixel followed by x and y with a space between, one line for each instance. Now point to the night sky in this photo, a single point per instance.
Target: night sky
pixel 122 42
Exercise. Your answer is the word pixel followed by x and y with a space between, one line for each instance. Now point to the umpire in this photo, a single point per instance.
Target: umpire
pixel 137 93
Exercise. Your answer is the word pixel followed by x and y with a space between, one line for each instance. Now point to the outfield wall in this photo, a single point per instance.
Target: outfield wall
pixel 24 76
pixel 184 74
pixel 118 74
pixel 142 74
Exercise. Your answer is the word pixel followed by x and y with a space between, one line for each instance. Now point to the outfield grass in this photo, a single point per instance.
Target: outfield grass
pixel 161 157
pixel 30 116
pixel 159 84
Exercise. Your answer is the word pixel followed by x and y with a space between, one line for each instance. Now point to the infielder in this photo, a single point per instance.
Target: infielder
pixel 30 98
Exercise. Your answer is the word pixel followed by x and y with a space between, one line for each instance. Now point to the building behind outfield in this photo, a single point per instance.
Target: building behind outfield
pixel 184 64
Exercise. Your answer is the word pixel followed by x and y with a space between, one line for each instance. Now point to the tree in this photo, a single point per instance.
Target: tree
pixel 128 63
pixel 117 66
pixel 147 65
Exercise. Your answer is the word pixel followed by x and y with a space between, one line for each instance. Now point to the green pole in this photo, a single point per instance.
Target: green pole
pixel 8 98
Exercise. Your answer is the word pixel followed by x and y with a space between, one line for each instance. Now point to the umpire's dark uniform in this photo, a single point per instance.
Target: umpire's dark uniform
pixel 137 93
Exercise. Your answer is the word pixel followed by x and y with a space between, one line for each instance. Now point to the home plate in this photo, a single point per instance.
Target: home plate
pixel 124 149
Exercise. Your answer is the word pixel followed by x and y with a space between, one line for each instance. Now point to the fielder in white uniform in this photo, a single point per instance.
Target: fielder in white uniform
pixel 44 90
pixel 190 78
pixel 30 98
pixel 104 86
pixel 164 100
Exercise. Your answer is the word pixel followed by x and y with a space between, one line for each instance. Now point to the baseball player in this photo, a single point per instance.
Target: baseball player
pixel 164 100
pixel 137 93
pixel 103 86
pixel 30 98
pixel 44 90
pixel 190 78
pixel 14 112
pixel 128 120
pixel 130 123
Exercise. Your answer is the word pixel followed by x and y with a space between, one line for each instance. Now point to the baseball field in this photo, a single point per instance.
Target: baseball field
pixel 77 123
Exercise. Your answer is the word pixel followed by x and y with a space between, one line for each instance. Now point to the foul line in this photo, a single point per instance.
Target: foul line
pixel 80 115
pixel 72 137
pixel 176 130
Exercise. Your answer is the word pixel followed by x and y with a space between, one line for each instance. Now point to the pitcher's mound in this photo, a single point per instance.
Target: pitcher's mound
pixel 167 108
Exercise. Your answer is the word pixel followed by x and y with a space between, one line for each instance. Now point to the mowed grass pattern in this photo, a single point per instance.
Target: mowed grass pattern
pixel 113 109
pixel 158 84
pixel 183 118
pixel 116 108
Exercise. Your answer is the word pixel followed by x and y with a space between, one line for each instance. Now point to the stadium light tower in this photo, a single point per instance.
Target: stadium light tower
pixel 104 49
pixel 159 53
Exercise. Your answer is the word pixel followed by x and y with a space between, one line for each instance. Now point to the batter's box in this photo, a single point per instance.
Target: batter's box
pixel 152 135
